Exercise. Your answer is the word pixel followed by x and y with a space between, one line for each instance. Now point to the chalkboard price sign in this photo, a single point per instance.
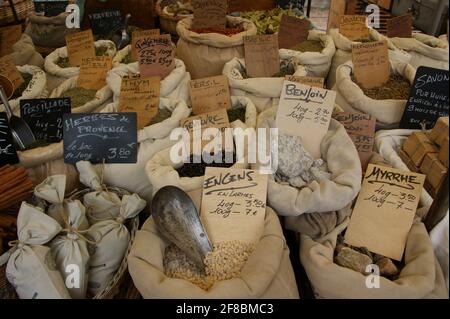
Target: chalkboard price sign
pixel 98 137
pixel 8 153
pixel 50 8
pixel 428 99
pixel 45 117
pixel 106 21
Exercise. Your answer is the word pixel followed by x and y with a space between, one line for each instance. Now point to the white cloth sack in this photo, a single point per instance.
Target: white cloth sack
pixel 267 274
pixel 70 248
pixel 24 53
pixel 425 50
pixel 37 88
pixel 31 268
pixel 316 63
pixel 344 51
pixel 121 55
pixel 251 113
pixel 439 238
pixel 112 239
pixel 263 92
pixel 352 98
pixel 173 86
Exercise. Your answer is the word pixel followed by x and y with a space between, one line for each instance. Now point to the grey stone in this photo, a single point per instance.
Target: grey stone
pixel 352 259
pixel 292 157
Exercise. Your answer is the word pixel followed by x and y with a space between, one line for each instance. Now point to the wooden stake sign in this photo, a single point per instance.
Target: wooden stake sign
pixel 209 94
pixel 385 210
pixel 80 45
pixel 371 65
pixel 337 9
pixel 141 96
pixel 305 111
pixel 293 31
pixel 262 57
pixel 9 70
pixel 400 27
pixel 93 72
pixel 141 34
pixel 8 154
pixel 354 27
pixel 156 55
pixel 210 13
pixel 233 204
pixel 313 81
pixel 8 37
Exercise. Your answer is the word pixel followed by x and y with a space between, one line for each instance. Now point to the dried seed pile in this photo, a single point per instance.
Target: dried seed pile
pixel 397 88
pixel 163 114
pixel 79 96
pixel 192 169
pixel 223 263
pixel 309 46
pixel 236 114
pixel 26 80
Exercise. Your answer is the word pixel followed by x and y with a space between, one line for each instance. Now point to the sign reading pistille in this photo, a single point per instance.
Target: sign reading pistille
pixel 385 210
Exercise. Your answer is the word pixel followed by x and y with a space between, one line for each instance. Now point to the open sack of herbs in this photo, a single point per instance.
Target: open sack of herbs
pixel 263 92
pixel 386 103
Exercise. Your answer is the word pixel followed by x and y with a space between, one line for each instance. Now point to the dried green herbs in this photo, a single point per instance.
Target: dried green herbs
pixel 236 114
pixel 79 96
pixel 63 62
pixel 287 67
pixel 309 46
pixel 268 22
pixel 128 59
pixel 397 88
pixel 26 80
pixel 192 169
pixel 100 51
pixel 163 114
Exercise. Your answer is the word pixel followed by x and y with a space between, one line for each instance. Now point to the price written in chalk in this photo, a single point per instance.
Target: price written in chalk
pixel 8 154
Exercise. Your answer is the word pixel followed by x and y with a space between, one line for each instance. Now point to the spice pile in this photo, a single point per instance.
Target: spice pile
pixel 15 186
pixel 79 96
pixel 225 31
pixel 287 67
pixel 19 90
pixel 235 114
pixel 223 263
pixel 163 114
pixel 192 169
pixel 178 9
pixel 99 51
pixel 397 88
pixel 309 46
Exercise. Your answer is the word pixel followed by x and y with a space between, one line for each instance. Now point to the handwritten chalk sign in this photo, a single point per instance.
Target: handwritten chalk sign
pixel 209 13
pixel 385 210
pixel 209 94
pixel 250 5
pixel 305 111
pixel 93 72
pixel 8 154
pixel 80 45
pixel 233 204
pixel 361 129
pixel 45 117
pixel 8 37
pixel 354 27
pixel 337 9
pixel 50 8
pixel 9 70
pixel 141 96
pixel 156 55
pixel 400 27
pixel 314 81
pixel 106 21
pixel 428 99
pixel 216 119
pixel 371 64
pixel 98 137
pixel 262 58
pixel 292 32
pixel 139 34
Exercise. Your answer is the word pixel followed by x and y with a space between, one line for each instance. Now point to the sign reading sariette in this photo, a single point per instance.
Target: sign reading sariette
pixel 428 99
pixel 314 81
pixel 209 94
pixel 139 34
pixel 93 72
pixel 140 95
pixel 156 55
pixel 305 111
pixel 106 21
pixel 293 31
pixel 354 27
pixel 98 137
pixel 233 204
pixel 400 27
pixel 50 8
pixel 80 45
pixel 209 13
pixel 9 70
pixel 8 154
pixel 371 64
pixel 8 37
pixel 45 117
pixel 385 210
pixel 361 129
pixel 262 57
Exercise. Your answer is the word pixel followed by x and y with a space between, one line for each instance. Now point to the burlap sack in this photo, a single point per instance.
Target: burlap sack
pixel 24 53
pixel 352 98
pixel 421 277
pixel 48 32
pixel 151 139
pixel 173 86
pixel 342 159
pixel 316 63
pixel 344 51
pixel 425 50
pixel 206 54
pixel 56 74
pixel 37 88
pixel 263 92
pixel 267 274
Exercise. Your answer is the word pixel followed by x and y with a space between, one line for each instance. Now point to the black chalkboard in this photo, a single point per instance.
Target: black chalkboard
pixel 50 8
pixel 98 137
pixel 45 117
pixel 428 100
pixel 8 154
pixel 105 22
